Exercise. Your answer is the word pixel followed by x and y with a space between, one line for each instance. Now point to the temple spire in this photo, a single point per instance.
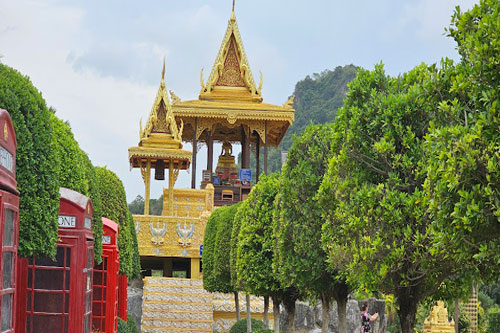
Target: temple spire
pixel 233 6
pixel 163 71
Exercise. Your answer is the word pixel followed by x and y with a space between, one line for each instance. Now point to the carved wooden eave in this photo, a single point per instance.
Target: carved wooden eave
pixel 231 77
pixel 222 119
pixel 161 139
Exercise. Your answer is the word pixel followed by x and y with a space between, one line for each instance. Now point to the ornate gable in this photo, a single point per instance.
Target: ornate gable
pixel 231 69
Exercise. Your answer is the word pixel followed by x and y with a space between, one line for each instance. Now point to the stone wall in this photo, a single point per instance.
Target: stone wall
pixel 308 317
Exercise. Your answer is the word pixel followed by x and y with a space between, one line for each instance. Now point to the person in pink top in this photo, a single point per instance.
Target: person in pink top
pixel 366 318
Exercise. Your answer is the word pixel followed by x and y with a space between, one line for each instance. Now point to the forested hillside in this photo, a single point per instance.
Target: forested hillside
pixel 317 99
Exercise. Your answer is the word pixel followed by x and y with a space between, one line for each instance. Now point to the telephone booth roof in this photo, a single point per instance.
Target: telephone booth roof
pixel 72 203
pixel 110 224
pixel 8 146
pixel 110 233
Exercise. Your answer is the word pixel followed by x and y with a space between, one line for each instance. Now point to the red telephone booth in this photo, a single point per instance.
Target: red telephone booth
pixel 56 296
pixel 9 223
pixel 105 302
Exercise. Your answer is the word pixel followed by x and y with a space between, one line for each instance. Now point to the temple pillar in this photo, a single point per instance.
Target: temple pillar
pixel 171 182
pixel 195 268
pixel 193 160
pixel 257 159
pixel 245 149
pixel 147 181
pixel 210 152
pixel 265 148
pixel 243 145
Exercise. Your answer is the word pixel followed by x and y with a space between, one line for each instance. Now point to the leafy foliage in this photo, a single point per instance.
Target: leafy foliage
pixel 114 207
pixel 255 247
pixel 222 241
pixel 36 172
pixel 493 319
pixel 376 221
pixel 300 260
pixel 464 169
pixel 209 277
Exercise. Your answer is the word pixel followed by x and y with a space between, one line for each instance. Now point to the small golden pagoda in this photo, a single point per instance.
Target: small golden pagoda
pixel 170 242
pixel 230 109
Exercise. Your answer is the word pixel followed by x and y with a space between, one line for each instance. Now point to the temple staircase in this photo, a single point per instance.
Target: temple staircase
pixel 176 305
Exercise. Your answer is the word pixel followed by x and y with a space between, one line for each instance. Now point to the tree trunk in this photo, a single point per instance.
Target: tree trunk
pixel 341 294
pixel 456 314
pixel 341 311
pixel 237 306
pixel 266 310
pixel 276 314
pixel 407 313
pixel 290 310
pixel 325 315
pixel 249 315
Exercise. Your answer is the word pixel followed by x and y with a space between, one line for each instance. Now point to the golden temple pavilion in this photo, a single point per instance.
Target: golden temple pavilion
pixel 229 110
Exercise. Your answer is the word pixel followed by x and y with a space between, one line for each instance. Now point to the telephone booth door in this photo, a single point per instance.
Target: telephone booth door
pixel 49 300
pixel 9 241
pixel 105 297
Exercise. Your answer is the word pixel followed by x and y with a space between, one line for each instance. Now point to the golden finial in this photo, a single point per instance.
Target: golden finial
pixel 163 70
pixel 233 17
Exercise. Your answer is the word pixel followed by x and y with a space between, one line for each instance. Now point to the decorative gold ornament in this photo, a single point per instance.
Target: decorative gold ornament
pixel 5 132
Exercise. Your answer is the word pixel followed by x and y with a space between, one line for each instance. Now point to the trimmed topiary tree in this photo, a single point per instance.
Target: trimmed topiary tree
pixel 241 326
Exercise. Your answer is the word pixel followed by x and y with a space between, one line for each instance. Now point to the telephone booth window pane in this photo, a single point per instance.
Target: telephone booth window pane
pixel 47 262
pixel 44 323
pixel 49 279
pixel 6 312
pixel 7 269
pixel 48 302
pixel 8 236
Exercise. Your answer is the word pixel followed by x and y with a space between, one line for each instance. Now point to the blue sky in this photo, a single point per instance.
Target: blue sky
pixel 98 63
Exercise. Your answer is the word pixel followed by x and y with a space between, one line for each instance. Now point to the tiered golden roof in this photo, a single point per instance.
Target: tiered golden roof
pixel 161 139
pixel 230 100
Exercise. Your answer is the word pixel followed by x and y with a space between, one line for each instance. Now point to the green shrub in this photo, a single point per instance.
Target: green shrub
pixel 132 327
pixel 122 326
pixel 493 318
pixel 241 326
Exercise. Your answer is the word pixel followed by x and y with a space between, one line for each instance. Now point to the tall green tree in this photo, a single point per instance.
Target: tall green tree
pixel 114 207
pixel 301 260
pixel 35 167
pixel 374 205
pixel 256 242
pixel 216 261
pixel 463 174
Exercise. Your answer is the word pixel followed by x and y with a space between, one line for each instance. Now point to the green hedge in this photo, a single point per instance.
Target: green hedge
pixel 35 167
pixel 75 171
pixel 114 207
pixel 241 326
